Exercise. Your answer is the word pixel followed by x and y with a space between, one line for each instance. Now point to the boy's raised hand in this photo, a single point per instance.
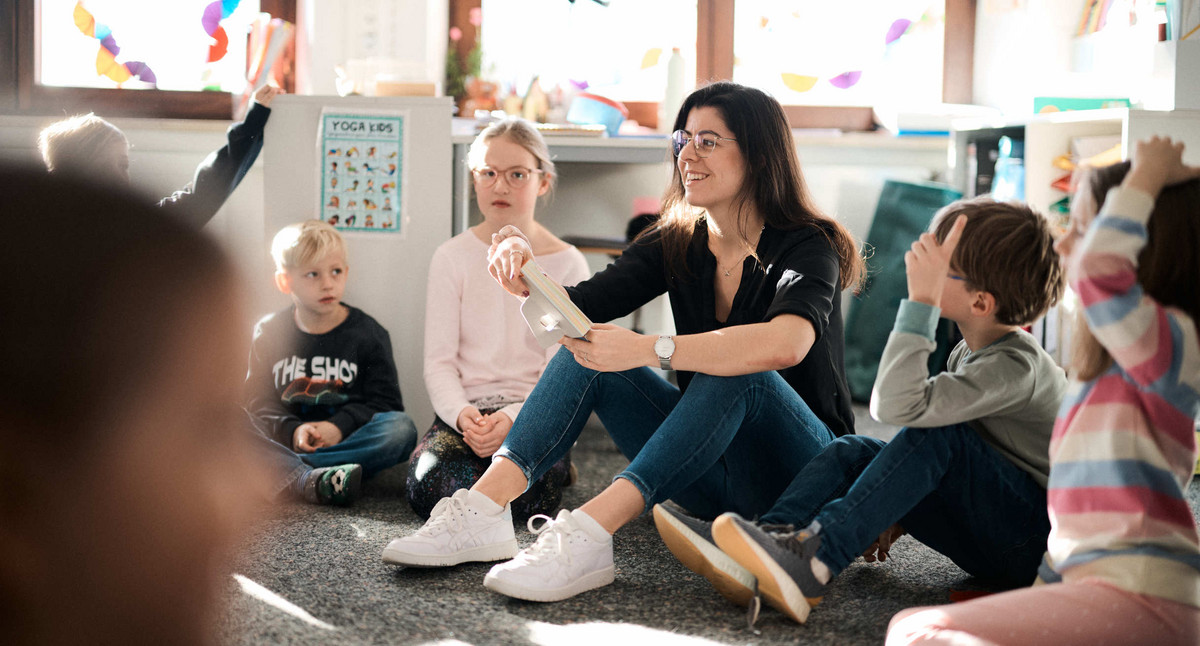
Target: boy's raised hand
pixel 265 94
pixel 927 264
pixel 1158 162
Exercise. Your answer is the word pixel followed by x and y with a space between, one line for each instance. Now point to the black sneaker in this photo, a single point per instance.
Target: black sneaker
pixel 690 540
pixel 781 561
pixel 338 485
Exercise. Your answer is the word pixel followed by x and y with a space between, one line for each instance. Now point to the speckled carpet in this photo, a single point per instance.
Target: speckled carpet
pixel 313 575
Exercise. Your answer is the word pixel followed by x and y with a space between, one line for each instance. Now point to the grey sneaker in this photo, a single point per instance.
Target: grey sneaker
pixel 781 561
pixel 690 540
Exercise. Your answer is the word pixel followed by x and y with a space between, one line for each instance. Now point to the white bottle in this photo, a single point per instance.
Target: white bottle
pixel 674 95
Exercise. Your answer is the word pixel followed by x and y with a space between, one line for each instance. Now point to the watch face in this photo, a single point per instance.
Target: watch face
pixel 664 347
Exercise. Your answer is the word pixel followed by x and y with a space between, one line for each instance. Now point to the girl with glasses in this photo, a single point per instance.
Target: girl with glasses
pixel 754 273
pixel 480 360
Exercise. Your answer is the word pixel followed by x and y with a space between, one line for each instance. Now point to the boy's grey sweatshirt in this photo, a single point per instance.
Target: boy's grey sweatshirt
pixel 1008 391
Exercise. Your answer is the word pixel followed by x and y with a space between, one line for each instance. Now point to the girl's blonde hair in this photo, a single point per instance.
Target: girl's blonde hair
pixel 304 243
pixel 72 145
pixel 1168 267
pixel 520 132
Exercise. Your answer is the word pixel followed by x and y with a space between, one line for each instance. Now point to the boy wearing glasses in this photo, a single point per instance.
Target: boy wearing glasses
pixel 967 475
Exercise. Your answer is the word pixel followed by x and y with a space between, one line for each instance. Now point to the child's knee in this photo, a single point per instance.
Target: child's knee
pixel 396 428
pixel 917 625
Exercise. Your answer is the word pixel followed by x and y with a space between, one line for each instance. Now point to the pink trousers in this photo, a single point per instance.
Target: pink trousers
pixel 1084 612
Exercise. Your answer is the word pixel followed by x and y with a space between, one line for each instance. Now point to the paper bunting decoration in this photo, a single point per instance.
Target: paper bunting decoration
pixel 799 83
pixel 650 58
pixel 214 13
pixel 898 29
pixel 106 57
pixel 846 79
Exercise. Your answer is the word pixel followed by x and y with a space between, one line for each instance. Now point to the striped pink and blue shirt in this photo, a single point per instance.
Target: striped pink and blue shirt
pixel 1124 447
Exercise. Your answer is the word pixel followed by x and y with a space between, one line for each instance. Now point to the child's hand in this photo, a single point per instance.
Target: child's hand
pixel 1158 162
pixel 882 547
pixel 508 253
pixel 927 264
pixel 470 419
pixel 264 95
pixel 487 441
pixel 315 435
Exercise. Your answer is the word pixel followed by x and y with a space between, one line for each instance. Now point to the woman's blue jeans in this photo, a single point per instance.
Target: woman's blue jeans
pixel 727 444
pixel 946 486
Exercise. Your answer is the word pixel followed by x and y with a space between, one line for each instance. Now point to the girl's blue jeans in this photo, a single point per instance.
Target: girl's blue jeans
pixel 385 441
pixel 726 444
pixel 946 486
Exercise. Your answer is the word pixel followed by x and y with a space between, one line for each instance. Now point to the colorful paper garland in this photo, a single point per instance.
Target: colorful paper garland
pixel 106 57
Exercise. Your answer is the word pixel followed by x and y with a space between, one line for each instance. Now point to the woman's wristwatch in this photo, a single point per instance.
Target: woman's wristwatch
pixel 664 347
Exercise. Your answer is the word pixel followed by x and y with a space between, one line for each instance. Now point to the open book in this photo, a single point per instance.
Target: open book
pixel 549 312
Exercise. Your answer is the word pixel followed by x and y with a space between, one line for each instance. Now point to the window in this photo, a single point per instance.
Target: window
pixel 125 58
pixel 919 49
pixel 621 50
pixel 179 45
pixel 851 53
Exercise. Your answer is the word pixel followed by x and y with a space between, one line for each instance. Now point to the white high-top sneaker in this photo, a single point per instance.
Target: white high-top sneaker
pixel 467 526
pixel 572 554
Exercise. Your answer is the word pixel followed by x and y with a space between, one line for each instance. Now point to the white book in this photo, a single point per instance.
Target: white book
pixel 548 311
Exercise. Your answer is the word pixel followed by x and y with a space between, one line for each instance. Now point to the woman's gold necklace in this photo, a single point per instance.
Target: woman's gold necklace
pixel 729 272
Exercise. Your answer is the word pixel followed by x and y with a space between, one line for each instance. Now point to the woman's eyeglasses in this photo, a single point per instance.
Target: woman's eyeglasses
pixel 516 176
pixel 705 142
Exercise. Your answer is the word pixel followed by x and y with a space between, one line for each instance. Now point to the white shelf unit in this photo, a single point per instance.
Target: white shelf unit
pixel 1048 136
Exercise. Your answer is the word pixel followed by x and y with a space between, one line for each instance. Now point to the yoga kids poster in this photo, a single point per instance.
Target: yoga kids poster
pixel 362 171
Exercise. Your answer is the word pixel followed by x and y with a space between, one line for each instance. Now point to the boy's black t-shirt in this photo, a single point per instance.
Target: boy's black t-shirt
pixel 799 274
pixel 344 376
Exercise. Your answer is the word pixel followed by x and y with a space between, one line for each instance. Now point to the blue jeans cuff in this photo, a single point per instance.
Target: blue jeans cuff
pixel 642 487
pixel 505 452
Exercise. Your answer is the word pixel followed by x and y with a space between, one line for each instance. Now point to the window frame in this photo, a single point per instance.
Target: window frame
pixel 20 94
pixel 714 58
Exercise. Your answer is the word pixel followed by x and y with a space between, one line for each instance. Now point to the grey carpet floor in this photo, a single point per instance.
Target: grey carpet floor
pixel 313 575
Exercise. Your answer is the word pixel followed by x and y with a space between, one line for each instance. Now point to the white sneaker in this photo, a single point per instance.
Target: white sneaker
pixel 467 526
pixel 572 554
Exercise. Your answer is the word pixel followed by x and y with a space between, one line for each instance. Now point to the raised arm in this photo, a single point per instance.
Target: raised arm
pixel 905 395
pixel 1137 331
pixel 221 172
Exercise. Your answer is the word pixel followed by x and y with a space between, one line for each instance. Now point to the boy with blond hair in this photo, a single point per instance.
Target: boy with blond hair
pixel 967 475
pixel 90 147
pixel 322 379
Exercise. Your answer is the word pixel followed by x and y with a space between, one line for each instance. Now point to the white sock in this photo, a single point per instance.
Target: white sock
pixel 821 571
pixel 482 502
pixel 589 525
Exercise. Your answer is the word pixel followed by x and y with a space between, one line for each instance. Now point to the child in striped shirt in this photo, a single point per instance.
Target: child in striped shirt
pixel 1123 560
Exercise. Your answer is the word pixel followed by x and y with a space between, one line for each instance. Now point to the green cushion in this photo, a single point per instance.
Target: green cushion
pixel 904 212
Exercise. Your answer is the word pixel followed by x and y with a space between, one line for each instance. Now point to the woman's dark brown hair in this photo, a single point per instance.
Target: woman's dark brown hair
pixel 774 185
